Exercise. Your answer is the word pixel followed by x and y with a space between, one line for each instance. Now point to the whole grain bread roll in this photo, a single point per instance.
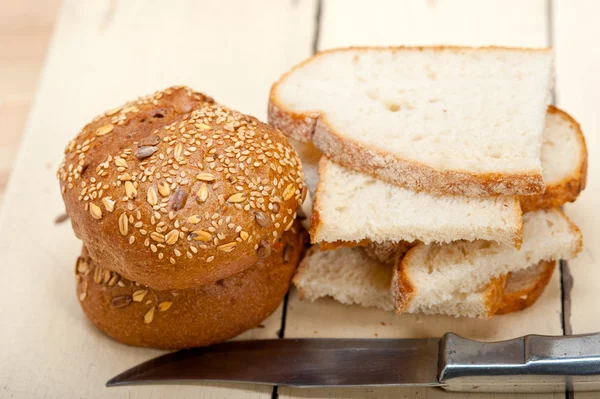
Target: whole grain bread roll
pixel 175 191
pixel 137 315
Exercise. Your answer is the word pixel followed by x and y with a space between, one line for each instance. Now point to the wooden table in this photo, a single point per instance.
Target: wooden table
pixel 25 29
pixel 104 52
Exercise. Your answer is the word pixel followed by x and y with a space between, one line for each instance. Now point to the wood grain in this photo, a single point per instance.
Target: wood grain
pixel 464 22
pixel 103 53
pixel 24 34
pixel 577 87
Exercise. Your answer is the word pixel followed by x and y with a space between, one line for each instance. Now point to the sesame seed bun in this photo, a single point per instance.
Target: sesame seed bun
pixel 174 191
pixel 173 319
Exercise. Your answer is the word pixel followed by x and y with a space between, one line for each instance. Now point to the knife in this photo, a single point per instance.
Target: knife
pixel 533 363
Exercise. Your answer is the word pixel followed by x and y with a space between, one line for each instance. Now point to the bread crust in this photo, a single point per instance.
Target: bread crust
pixel 494 295
pixel 173 319
pixel 403 288
pixel 568 189
pixel 174 190
pixel 313 126
pixel 514 301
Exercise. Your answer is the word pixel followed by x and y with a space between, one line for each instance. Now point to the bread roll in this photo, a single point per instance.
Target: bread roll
pixel 175 191
pixel 137 315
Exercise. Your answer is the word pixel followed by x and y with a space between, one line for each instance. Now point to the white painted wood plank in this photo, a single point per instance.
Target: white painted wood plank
pixel 103 53
pixel 463 22
pixel 576 32
pixel 422 22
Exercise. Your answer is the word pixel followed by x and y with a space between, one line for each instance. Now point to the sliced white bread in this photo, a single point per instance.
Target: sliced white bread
pixel 432 274
pixel 387 252
pixel 449 120
pixel 347 275
pixel 525 287
pixel 564 162
pixel 351 277
pixel 353 206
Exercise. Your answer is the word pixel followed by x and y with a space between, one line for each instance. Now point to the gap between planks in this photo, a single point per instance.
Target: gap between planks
pixel 315 48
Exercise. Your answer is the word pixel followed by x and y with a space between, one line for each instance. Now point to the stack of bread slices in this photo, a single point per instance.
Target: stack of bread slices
pixel 437 174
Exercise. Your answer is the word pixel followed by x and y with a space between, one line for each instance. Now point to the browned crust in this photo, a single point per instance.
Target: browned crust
pixel 514 301
pixel 329 246
pixel 568 189
pixel 494 294
pixel 172 117
pixel 391 168
pixel 315 219
pixel 197 316
pixel 403 289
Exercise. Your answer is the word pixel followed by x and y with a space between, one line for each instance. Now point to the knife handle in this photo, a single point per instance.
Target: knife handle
pixel 533 363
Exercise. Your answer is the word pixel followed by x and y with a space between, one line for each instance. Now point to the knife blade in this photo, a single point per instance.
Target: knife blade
pixel 532 363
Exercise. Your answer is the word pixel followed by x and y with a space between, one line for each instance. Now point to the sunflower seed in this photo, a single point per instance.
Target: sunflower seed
pixel 172 236
pixel 120 301
pixel 178 199
pixel 105 130
pixel 151 196
pixel 138 296
pixel 123 224
pixel 148 317
pixel 201 235
pixel 95 211
pixel 164 306
pixel 205 177
pixel 227 247
pixel 130 190
pixel 264 249
pixel 243 235
pixel 145 151
pixel 237 198
pixel 262 219
pixel 202 193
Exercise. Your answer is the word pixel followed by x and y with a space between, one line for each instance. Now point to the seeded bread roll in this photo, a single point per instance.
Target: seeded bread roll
pixel 175 191
pixel 172 319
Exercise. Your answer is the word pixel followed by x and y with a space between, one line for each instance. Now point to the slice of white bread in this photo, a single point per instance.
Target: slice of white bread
pixel 353 206
pixel 351 277
pixel 347 275
pixel 564 162
pixel 432 274
pixel 525 287
pixel 449 120
pixel 387 252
